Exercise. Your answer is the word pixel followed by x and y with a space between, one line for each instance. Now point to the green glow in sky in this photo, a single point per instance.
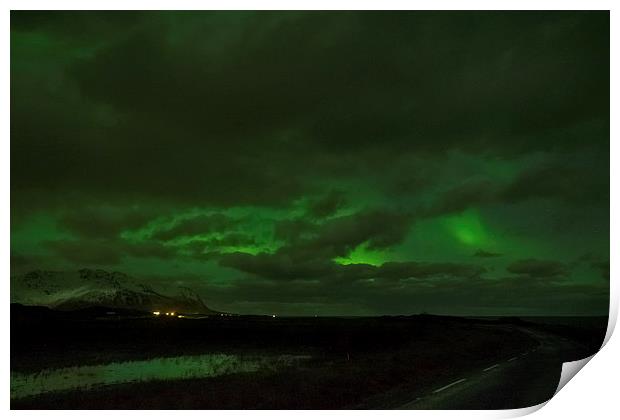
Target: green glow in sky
pixel 468 229
pixel 187 148
pixel 362 255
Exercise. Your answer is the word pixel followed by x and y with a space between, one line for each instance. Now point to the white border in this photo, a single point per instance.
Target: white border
pixel 592 394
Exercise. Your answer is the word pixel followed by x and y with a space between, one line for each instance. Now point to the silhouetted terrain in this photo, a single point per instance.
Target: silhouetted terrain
pixel 379 362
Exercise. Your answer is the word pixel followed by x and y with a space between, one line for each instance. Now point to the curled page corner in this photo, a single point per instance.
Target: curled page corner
pixel 569 370
pixel 611 323
pixel 520 412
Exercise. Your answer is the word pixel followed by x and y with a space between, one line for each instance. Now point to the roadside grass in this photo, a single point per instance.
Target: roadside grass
pixel 348 370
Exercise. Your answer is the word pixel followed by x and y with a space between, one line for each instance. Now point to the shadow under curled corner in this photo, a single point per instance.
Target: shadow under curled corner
pixel 569 369
pixel 528 380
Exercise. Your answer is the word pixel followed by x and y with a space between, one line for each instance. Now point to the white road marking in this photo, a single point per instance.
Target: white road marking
pixel 449 385
pixel 491 367
pixel 514 358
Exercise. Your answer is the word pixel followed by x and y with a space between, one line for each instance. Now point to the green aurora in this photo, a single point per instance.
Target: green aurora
pixel 302 163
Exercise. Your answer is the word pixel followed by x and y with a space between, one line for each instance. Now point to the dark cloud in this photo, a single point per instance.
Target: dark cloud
pixel 581 184
pixel 193 226
pixel 481 253
pixel 377 229
pixel 293 230
pixel 203 248
pixel 560 180
pixel 311 248
pixel 515 295
pixel 232 239
pixel 538 268
pixel 358 136
pixel 104 221
pixel 103 252
pixel 69 24
pixel 277 267
pixel 468 194
pixel 338 236
pixel 282 267
pixel 603 267
pixel 20 263
pixel 93 252
pixel 150 110
pixel 327 205
pixel 404 270
pixel 380 229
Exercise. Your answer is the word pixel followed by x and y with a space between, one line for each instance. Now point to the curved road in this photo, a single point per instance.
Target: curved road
pixel 522 381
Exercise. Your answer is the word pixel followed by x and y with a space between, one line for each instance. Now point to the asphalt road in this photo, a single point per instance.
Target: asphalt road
pixel 517 382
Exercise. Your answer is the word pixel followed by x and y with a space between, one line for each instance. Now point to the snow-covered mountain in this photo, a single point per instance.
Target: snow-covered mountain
pixel 85 288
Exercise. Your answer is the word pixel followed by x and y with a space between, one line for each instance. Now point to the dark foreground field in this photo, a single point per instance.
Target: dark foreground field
pixel 330 363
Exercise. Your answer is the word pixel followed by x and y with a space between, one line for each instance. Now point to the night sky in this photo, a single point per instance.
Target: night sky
pixel 319 163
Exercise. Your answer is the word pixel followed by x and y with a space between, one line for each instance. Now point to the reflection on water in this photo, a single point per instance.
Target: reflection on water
pixel 184 367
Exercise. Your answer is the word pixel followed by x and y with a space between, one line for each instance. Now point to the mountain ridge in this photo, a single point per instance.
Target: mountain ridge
pixel 84 288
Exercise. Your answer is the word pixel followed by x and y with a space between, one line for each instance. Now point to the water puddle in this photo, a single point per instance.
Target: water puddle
pixel 169 368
